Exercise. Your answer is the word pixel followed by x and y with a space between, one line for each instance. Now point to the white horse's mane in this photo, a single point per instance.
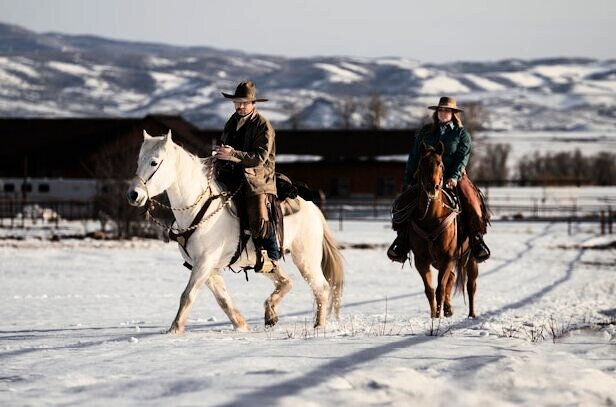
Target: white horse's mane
pixel 191 160
pixel 189 165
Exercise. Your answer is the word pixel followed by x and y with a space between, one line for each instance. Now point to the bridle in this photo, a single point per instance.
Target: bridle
pixel 435 197
pixel 151 202
pixel 144 182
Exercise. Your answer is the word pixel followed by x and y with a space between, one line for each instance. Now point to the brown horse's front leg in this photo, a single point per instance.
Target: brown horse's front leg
pixel 443 290
pixel 447 307
pixel 423 267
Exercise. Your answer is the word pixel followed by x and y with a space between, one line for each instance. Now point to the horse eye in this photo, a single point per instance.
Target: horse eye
pixel 153 163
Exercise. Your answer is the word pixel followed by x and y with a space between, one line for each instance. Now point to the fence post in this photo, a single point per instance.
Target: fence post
pixel 374 208
pixel 12 214
pixel 340 217
pixel 602 220
pixel 609 219
pixel 57 209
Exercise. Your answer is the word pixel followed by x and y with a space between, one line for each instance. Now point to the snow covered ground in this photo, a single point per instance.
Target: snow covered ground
pixel 81 323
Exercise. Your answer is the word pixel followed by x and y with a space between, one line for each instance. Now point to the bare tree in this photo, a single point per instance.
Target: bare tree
pixel 346 107
pixel 113 166
pixel 491 163
pixel 377 110
pixel 295 115
pixel 604 169
pixel 568 167
pixel 475 117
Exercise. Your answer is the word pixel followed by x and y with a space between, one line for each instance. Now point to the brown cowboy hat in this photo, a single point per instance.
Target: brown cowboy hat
pixel 446 102
pixel 246 91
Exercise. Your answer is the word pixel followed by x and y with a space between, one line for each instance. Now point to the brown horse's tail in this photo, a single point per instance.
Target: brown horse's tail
pixel 464 256
pixel 331 264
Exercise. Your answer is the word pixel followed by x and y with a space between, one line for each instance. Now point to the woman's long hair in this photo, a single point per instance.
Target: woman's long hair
pixel 456 118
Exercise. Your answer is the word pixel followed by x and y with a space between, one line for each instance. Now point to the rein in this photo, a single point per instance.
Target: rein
pixel 225 196
pixel 431 236
pixel 178 231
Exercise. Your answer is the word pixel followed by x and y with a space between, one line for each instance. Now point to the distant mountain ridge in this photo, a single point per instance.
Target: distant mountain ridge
pixel 66 75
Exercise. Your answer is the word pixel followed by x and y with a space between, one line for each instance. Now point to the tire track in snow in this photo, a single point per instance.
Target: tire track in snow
pixel 530 245
pixel 271 394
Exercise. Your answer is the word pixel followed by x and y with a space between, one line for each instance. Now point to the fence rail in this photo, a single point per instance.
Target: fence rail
pixel 504 211
pixel 16 214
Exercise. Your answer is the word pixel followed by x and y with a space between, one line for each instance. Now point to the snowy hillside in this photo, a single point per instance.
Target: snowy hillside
pixel 61 75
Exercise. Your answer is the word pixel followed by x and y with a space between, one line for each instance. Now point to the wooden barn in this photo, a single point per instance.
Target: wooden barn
pixel 343 163
pixel 354 163
pixel 75 147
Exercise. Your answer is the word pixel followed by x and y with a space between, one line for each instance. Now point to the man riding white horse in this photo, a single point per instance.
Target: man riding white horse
pixel 247 155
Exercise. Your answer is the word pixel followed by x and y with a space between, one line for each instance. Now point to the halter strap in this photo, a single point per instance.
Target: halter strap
pixel 182 235
pixel 145 181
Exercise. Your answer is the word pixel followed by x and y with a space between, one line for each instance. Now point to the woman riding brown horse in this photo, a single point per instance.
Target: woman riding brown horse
pixel 447 128
pixel 435 239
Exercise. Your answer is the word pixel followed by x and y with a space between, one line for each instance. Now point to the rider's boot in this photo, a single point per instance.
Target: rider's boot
pixel 480 249
pixel 267 265
pixel 269 254
pixel 398 251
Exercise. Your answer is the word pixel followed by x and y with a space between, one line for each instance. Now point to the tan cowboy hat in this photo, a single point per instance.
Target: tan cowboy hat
pixel 246 91
pixel 446 102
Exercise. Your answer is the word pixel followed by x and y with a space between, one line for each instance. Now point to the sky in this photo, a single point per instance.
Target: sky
pixel 443 31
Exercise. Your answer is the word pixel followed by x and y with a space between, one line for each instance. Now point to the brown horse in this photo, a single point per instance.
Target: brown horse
pixel 434 237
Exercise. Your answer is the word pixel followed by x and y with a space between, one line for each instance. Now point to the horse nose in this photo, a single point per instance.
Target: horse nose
pixel 132 196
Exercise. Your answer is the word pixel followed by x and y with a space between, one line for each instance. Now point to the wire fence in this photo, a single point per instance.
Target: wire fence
pixel 20 214
pixel 524 209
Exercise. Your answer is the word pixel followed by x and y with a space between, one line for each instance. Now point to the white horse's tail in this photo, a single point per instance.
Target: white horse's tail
pixel 331 264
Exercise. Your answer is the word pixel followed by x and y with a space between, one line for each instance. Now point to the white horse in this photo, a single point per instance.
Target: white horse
pixel 188 181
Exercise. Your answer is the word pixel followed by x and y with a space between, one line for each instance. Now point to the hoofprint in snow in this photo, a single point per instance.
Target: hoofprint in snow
pixel 81 322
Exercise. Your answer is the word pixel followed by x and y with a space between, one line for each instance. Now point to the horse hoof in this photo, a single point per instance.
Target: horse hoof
pixel 472 316
pixel 242 328
pixel 175 331
pixel 270 322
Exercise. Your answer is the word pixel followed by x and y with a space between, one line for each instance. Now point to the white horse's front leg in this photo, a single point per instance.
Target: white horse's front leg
pixel 200 273
pixel 218 287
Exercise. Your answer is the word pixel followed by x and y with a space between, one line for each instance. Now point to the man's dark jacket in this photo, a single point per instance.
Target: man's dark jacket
pixel 254 151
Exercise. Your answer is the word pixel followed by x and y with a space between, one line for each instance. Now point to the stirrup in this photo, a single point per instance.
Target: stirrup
pixel 267 265
pixel 393 255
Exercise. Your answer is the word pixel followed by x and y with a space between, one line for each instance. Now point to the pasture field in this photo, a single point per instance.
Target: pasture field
pixel 81 323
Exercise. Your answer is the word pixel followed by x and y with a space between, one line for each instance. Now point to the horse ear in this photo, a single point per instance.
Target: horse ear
pixel 422 148
pixel 440 148
pixel 168 137
pixel 146 135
